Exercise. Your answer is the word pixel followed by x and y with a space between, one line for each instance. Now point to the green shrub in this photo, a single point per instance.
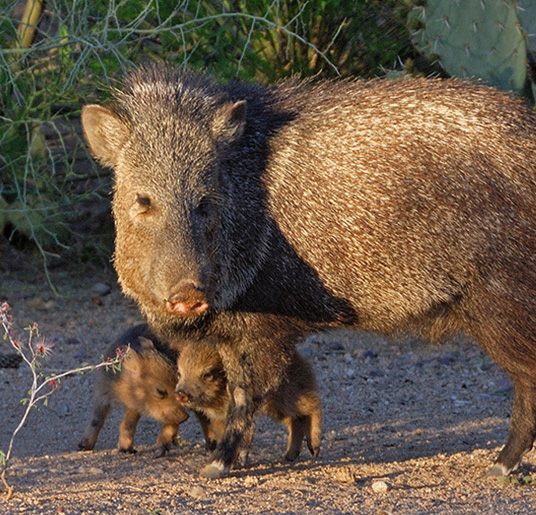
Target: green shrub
pixel 52 196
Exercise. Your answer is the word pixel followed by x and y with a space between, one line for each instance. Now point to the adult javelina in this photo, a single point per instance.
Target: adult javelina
pixel 255 214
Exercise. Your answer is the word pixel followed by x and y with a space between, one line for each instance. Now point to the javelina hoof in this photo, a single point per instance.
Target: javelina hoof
pixel 161 451
pixel 214 470
pixel 497 470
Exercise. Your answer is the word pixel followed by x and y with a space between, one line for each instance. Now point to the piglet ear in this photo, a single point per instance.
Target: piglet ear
pixel 146 344
pixel 132 363
pixel 229 122
pixel 105 133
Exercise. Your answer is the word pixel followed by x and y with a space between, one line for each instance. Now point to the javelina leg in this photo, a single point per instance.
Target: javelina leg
pixel 313 432
pixel 239 422
pixel 522 430
pixel 212 430
pixel 247 442
pixel 127 429
pixel 297 428
pixel 100 412
pixel 165 439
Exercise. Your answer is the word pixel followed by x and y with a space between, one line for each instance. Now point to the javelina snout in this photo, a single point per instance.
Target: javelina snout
pixel 182 396
pixel 187 299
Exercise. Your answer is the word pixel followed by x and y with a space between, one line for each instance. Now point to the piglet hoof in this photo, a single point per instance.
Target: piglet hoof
pixel 128 450
pixel 161 451
pixel 214 470
pixel 242 459
pixel 210 445
pixel 315 451
pixel 85 446
pixel 497 470
pixel 292 454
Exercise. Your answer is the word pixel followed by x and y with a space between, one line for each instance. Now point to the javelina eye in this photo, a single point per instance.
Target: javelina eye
pixel 144 202
pixel 161 393
pixel 202 210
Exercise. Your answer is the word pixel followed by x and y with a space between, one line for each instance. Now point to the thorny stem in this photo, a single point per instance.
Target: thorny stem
pixel 31 358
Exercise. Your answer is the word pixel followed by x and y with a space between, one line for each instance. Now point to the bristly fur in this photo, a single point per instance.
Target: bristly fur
pixel 389 206
pixel 145 385
pixel 295 403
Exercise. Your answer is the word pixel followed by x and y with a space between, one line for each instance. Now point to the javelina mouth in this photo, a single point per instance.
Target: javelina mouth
pixel 187 299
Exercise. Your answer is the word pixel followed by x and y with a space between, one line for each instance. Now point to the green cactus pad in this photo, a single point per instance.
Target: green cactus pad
pixel 526 11
pixel 473 38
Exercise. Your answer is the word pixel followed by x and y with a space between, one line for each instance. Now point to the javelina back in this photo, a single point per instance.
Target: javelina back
pixel 144 386
pixel 202 387
pixel 255 214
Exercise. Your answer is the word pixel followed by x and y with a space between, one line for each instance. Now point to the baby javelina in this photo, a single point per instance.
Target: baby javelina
pixel 144 386
pixel 202 387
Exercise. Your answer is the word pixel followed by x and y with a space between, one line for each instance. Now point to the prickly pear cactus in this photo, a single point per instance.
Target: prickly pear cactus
pixel 474 38
pixel 526 11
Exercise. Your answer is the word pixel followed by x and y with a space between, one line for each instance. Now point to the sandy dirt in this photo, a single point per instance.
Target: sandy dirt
pixel 408 428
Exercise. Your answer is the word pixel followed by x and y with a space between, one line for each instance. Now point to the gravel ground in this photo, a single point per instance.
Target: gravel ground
pixel 408 428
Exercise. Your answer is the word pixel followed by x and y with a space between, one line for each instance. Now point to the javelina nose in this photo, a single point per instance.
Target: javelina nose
pixel 182 396
pixel 187 299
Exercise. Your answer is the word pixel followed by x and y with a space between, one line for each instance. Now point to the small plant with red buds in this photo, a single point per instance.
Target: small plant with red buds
pixel 32 350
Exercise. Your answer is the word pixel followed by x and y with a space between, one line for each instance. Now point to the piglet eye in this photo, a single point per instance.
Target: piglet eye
pixel 161 393
pixel 207 376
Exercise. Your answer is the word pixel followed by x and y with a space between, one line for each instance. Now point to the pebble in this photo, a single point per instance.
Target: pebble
pixel 88 470
pixel 367 355
pixel 343 475
pixel 336 346
pixel 380 487
pixel 197 492
pixel 101 289
pixel 250 481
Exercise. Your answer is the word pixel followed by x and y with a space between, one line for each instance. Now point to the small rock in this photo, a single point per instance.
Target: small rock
pixel 250 481
pixel 368 354
pixel 376 373
pixel 344 475
pixel 197 492
pixel 336 346
pixel 448 359
pixel 88 470
pixel 101 289
pixel 380 487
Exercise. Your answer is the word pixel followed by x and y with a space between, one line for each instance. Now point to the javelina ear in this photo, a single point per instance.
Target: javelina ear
pixel 105 133
pixel 229 122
